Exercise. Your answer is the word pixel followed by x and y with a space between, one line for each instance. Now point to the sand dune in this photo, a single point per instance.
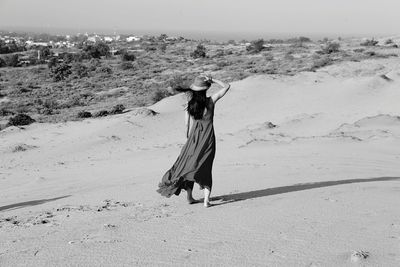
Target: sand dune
pixel 306 174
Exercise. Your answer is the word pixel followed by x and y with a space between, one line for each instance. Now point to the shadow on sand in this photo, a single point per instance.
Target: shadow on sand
pixel 292 188
pixel 30 203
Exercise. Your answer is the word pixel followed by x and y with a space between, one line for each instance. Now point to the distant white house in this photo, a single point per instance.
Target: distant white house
pixel 108 39
pixel 94 38
pixel 171 38
pixel 133 38
pixel 30 43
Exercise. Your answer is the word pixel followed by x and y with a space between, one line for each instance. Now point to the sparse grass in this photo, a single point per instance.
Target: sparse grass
pixel 320 62
pixel 22 148
pixel 160 94
pixel 330 48
pixel 369 42
pixel 100 84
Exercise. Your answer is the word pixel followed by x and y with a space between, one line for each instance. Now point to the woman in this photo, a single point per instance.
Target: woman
pixel 194 163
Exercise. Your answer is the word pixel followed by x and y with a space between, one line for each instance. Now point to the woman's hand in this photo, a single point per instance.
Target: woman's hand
pixel 208 78
pixel 218 95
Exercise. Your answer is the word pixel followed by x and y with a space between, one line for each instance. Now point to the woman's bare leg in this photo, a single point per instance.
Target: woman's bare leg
pixel 207 193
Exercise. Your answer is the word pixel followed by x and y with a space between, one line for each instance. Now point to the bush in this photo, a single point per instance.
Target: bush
pixel 359 50
pixel 179 81
pixel 321 62
pixel 304 39
pixel 199 52
pixel 5 112
pixel 104 69
pixel 60 71
pixel 369 42
pixel 101 113
pixel 126 66
pixel 80 70
pixel 158 95
pixel 12 60
pixel 52 62
pixel 388 42
pixel 117 109
pixel 94 63
pixel 330 48
pixel 45 52
pixel 222 64
pixel 256 46
pixel 125 56
pixel 2 63
pixel 19 120
pixel 50 103
pixel 79 57
pixel 10 47
pixel 150 48
pixel 97 50
pixel 84 114
pixel 68 57
pixel 299 42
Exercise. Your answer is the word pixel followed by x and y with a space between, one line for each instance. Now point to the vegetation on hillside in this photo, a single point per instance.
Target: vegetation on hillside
pixel 57 84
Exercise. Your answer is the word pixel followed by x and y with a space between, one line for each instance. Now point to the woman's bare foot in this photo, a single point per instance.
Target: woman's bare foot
pixel 191 200
pixel 189 197
pixel 207 193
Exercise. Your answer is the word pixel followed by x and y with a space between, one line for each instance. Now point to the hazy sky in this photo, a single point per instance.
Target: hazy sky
pixel 377 17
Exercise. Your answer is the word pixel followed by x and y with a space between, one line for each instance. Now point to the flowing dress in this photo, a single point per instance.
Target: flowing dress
pixel 194 163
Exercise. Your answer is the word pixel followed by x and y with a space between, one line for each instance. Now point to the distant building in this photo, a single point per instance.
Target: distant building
pixel 31 43
pixel 171 38
pixel 133 38
pixel 108 39
pixel 94 38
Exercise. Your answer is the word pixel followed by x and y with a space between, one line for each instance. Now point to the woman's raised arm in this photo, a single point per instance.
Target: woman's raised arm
pixel 218 95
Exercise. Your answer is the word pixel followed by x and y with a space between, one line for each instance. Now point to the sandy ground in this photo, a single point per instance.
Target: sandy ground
pixel 306 174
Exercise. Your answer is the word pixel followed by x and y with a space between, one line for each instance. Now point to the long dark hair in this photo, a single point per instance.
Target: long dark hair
pixel 197 104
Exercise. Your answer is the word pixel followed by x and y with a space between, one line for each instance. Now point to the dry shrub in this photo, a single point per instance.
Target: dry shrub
pixel 20 120
pixel 126 66
pixel 199 52
pixel 330 48
pixel 117 109
pixel 256 46
pixel 321 62
pixel 180 81
pixel 101 113
pixel 84 114
pixel 369 42
pixel 159 94
pixel 126 56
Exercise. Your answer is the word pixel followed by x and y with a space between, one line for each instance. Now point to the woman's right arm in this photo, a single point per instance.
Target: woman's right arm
pixel 218 95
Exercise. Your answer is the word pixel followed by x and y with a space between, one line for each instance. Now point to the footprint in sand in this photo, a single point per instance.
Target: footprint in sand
pixel 359 255
pixel 94 239
pixel 110 226
pixel 22 148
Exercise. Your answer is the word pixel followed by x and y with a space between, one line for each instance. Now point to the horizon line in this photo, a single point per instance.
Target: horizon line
pixel 210 33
